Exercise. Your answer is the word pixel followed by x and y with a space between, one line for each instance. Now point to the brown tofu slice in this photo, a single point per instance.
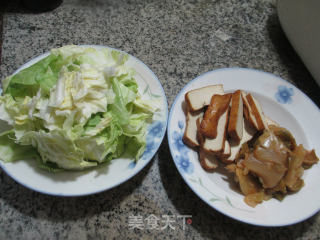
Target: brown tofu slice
pixel 216 145
pixel 248 133
pixel 226 151
pixel 201 97
pixel 218 106
pixel 235 126
pixel 208 161
pixel 253 112
pixel 190 133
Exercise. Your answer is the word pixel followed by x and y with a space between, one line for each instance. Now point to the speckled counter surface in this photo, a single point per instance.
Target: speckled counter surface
pixel 178 40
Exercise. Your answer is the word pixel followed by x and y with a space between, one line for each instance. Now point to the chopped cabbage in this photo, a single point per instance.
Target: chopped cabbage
pixel 76 108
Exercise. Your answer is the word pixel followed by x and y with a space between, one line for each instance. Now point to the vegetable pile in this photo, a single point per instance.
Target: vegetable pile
pixel 76 108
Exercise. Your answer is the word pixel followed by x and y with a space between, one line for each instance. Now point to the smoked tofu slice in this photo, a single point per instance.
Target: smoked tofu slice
pixel 218 105
pixel 226 151
pixel 248 133
pixel 216 145
pixel 253 112
pixel 235 126
pixel 201 97
pixel 208 161
pixel 190 133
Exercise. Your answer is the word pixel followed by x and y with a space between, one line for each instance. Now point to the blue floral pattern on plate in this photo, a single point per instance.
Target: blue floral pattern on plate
pixel 184 164
pixel 155 131
pixel 284 94
pixel 154 135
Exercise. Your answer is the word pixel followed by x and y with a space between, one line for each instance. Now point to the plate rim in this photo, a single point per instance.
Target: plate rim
pixel 247 221
pixel 137 170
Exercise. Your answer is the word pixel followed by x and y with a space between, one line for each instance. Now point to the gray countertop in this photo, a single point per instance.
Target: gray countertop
pixel 178 40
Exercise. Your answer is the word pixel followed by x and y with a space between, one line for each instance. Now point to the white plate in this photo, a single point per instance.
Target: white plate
pixel 104 177
pixel 284 103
